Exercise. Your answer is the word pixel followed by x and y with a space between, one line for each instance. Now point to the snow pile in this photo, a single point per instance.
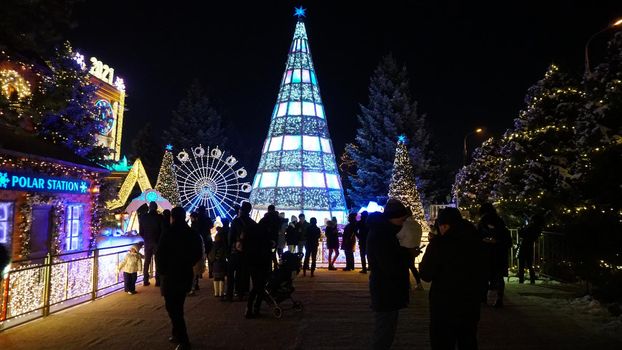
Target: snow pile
pixel 596 315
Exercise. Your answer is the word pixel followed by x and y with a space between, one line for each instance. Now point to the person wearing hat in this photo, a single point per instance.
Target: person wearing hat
pixel 453 264
pixel 389 281
pixel 180 249
pixel 131 264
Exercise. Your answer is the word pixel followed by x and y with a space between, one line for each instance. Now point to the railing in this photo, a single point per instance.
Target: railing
pixel 34 289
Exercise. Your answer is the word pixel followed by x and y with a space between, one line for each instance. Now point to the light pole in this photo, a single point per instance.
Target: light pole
pixel 466 152
pixel 587 44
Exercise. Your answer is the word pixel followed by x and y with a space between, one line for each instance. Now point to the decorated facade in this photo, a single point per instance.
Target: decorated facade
pixel 48 198
pixel 298 172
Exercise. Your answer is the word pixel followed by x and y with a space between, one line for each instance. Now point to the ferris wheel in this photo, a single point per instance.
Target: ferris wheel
pixel 207 177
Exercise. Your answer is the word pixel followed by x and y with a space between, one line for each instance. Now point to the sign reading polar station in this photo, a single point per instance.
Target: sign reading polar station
pixel 41 183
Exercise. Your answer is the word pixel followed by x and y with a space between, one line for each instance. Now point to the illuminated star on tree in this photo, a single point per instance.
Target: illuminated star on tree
pixel 299 12
pixel 401 139
pixel 169 147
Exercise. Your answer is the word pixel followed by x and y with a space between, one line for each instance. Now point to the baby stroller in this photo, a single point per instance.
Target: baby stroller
pixel 280 287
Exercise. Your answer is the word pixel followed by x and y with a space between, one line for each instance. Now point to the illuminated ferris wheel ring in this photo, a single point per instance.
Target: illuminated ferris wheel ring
pixel 207 177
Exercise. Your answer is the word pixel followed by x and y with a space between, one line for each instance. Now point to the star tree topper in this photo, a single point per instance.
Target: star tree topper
pixel 300 12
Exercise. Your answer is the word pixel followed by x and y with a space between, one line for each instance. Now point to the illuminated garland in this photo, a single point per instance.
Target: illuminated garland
pixel 10 78
pixel 98 210
pixel 58 217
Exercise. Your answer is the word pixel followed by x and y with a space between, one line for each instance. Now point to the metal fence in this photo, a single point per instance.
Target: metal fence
pixel 36 288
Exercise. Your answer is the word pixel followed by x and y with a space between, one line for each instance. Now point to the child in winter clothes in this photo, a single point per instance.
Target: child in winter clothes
pixel 218 255
pixel 131 264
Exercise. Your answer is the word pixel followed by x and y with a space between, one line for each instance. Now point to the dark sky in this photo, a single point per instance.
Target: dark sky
pixel 469 64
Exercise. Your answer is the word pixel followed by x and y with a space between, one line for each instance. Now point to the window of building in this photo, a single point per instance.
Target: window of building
pixel 73 225
pixel 6 221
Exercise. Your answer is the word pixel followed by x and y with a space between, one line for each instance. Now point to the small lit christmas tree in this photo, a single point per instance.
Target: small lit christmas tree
pixel 167 182
pixel 403 185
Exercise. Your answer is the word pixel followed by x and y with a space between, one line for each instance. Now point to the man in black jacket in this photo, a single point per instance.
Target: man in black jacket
pixel 150 229
pixel 180 249
pixel 256 245
pixel 389 279
pixel 453 264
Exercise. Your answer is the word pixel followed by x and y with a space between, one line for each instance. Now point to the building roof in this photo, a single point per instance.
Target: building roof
pixel 20 143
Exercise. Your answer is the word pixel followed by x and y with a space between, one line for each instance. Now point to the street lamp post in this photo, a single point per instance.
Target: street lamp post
pixel 466 152
pixel 587 44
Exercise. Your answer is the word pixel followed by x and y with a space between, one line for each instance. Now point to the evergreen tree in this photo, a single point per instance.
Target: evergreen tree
pixel 391 112
pixel 403 185
pixel 66 109
pixel 145 148
pixel 195 122
pixel 34 26
pixel 539 155
pixel 475 182
pixel 167 181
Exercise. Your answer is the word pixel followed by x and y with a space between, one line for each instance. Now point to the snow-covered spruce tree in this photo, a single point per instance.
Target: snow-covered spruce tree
pixel 195 122
pixel 167 181
pixel 538 155
pixel 475 182
pixel 403 185
pixel 66 109
pixel 391 112
pixel 593 225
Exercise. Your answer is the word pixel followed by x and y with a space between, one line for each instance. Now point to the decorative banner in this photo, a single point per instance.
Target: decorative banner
pixel 42 183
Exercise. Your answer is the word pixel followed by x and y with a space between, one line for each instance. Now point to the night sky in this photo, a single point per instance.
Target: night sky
pixel 469 64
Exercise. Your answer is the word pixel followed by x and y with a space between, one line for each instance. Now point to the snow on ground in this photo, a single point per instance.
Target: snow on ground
pixel 587 312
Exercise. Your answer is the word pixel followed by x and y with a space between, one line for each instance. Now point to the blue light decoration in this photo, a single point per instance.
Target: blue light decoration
pixel 120 166
pixel 105 115
pixel 298 172
pixel 401 139
pixel 372 207
pixel 299 12
pixel 42 183
pixel 169 147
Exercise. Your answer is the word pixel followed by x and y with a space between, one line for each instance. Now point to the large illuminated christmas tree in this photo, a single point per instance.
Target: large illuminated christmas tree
pixel 403 185
pixel 297 171
pixel 167 181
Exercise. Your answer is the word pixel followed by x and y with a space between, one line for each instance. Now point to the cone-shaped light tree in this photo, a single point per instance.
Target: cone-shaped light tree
pixel 403 185
pixel 298 172
pixel 167 181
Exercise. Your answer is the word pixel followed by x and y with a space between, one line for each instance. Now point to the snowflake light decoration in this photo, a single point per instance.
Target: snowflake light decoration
pixel 4 180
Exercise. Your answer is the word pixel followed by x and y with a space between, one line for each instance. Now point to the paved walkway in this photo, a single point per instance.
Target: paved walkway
pixel 336 316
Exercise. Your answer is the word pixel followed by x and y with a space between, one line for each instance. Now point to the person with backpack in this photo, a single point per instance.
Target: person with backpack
pixel 496 244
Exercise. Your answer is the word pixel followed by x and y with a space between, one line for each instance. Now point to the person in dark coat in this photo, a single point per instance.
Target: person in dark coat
pixel 237 274
pixel 257 245
pixel 389 281
pixel 292 236
pixel 361 234
pixel 150 229
pixel 203 225
pixel 301 226
pixel 180 249
pixel 273 225
pixel 453 266
pixel 332 242
pixel 348 241
pixel 496 244
pixel 166 220
pixel 313 236
pixel 528 237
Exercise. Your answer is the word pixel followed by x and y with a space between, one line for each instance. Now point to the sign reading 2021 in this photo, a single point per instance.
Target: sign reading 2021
pixel 41 183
